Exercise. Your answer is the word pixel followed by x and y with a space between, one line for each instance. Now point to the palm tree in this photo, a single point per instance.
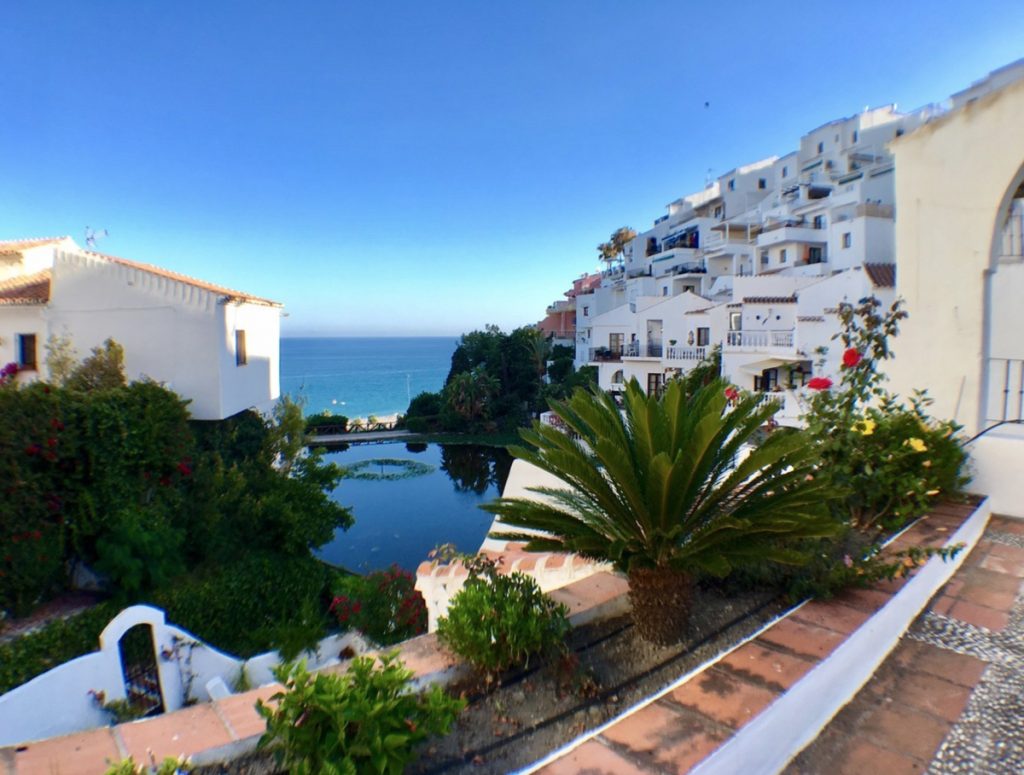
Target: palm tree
pixel 662 490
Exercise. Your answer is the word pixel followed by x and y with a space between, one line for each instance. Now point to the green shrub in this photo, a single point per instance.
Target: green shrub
pixel 169 766
pixel 385 605
pixel 365 721
pixel 337 423
pixel 497 622
pixel 256 604
pixel 27 656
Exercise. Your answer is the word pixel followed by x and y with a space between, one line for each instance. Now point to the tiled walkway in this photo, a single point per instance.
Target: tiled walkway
pixel 680 729
pixel 950 698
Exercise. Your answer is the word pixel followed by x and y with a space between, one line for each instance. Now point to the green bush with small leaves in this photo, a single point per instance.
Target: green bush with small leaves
pixel 497 622
pixel 169 766
pixel 365 721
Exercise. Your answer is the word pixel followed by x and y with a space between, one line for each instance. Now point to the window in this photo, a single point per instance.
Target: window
pixel 586 310
pixel 719 212
pixel 732 185
pixel 847 239
pixel 241 357
pixel 782 256
pixel 814 255
pixel 785 172
pixel 654 384
pixel 855 135
pixel 27 351
pixel 664 290
pixel 703 337
pixel 690 288
pixel 762 183
pixel 736 321
pixel 819 222
pixel 764 258
pixel 615 343
pixel 618 377
pixel 768 380
pixel 821 147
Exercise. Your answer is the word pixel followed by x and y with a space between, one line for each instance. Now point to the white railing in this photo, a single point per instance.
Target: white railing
pixel 674 353
pixel 757 339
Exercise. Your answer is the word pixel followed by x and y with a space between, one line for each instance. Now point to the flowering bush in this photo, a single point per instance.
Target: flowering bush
pixel 385 605
pixel 891 460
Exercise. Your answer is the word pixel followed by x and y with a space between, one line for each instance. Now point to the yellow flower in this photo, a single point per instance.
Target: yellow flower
pixel 932 492
pixel 916 444
pixel 865 427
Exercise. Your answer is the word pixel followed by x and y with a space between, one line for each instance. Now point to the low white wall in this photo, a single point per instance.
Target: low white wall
pixel 997 462
pixel 58 702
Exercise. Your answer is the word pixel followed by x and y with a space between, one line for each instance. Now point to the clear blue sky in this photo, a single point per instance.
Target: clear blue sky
pixel 429 167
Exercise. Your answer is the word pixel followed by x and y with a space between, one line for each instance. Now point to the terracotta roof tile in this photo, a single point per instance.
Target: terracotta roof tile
pixel 881 275
pixel 769 299
pixel 7 247
pixel 31 289
pixel 181 278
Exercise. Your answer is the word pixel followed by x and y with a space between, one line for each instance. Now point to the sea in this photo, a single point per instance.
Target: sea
pixel 360 376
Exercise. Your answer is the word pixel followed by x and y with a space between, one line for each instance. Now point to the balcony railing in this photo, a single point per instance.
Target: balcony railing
pixel 674 353
pixel 606 353
pixel 1005 390
pixel 690 267
pixel 758 339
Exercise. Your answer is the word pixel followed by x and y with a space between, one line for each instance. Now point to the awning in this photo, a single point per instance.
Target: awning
pixel 770 363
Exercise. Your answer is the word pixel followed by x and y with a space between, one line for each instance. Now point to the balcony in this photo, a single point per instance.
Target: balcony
pixel 652 349
pixel 759 340
pixel 606 354
pixel 679 353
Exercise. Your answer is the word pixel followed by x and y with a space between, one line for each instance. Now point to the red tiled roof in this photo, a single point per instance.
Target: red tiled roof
pixel 16 246
pixel 769 299
pixel 181 278
pixel 881 275
pixel 31 289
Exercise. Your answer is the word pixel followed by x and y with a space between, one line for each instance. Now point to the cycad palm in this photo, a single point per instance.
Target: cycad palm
pixel 656 489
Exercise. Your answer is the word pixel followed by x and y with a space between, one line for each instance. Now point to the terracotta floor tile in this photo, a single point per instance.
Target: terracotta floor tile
pixel 240 711
pixel 864 757
pixel 942 604
pixel 1001 565
pixel 802 638
pixel 990 579
pixel 1007 552
pixel 1008 525
pixel 593 758
pixel 185 732
pixel 777 670
pixel 84 753
pixel 832 615
pixel 905 731
pixel 960 669
pixel 933 695
pixel 979 615
pixel 870 600
pixel 993 598
pixel 665 738
pixel 724 697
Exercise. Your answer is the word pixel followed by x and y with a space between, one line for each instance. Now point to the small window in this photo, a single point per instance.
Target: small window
pixel 618 377
pixel 654 382
pixel 719 212
pixel 782 256
pixel 855 135
pixel 664 290
pixel 819 221
pixel 762 183
pixel 241 357
pixel 814 255
pixel 764 258
pixel 732 185
pixel 821 147
pixel 847 239
pixel 785 172
pixel 27 351
pixel 735 321
pixel 703 337
pixel 586 310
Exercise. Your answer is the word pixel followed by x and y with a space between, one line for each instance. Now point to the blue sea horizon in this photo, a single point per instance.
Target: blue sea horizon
pixel 360 376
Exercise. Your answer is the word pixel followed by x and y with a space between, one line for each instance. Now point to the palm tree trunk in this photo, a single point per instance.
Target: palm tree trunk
pixel 661 603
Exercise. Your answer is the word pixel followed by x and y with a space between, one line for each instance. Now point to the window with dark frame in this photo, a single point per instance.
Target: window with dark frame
pixel 241 357
pixel 847 239
pixel 27 358
pixel 703 337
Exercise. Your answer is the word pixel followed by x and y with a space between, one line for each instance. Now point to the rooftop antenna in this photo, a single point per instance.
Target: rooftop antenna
pixel 91 236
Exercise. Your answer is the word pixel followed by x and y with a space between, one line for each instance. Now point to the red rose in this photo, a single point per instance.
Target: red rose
pixel 819 383
pixel 851 358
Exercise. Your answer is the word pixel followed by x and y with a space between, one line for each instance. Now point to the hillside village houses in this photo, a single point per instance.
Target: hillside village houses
pixel 217 347
pixel 758 262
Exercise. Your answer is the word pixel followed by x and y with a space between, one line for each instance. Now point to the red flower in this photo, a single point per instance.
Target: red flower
pixel 819 383
pixel 732 393
pixel 33 449
pixel 184 468
pixel 51 442
pixel 851 358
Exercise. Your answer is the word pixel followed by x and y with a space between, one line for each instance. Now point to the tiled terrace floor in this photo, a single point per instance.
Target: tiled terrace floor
pixel 948 699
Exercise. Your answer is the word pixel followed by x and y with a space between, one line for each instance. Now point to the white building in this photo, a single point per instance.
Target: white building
pixel 217 347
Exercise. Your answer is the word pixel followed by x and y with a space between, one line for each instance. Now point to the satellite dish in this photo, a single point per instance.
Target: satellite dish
pixel 92 236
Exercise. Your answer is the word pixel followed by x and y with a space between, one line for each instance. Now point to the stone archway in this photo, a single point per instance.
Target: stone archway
pixel 1002 399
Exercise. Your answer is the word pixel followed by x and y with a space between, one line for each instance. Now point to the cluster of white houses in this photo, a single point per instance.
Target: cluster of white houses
pixel 927 206
pixel 217 347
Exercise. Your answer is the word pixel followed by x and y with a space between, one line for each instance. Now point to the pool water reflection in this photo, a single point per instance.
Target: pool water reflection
pixel 401 520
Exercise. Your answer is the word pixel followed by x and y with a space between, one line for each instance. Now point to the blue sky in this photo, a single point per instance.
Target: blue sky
pixel 427 168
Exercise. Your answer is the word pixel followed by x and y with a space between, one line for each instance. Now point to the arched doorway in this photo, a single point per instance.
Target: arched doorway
pixel 139 670
pixel 1003 378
